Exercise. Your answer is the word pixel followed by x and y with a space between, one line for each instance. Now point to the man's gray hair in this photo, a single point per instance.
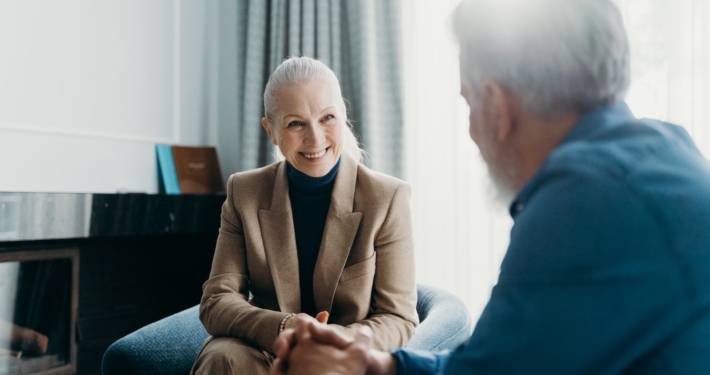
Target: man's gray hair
pixel 297 70
pixel 554 55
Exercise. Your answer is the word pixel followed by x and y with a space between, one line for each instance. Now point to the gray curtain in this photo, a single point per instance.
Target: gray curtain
pixel 358 39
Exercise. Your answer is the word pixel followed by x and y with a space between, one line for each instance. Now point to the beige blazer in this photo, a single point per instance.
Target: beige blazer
pixel 364 273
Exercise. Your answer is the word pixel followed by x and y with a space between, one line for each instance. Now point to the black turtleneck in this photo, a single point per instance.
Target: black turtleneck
pixel 310 200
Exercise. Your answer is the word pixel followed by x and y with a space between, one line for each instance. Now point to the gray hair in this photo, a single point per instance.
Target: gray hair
pixel 554 55
pixel 295 70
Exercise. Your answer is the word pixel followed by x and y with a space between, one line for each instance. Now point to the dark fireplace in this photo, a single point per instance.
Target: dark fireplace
pixel 38 309
pixel 141 257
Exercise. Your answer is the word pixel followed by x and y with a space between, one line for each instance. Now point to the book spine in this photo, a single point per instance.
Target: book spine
pixel 167 169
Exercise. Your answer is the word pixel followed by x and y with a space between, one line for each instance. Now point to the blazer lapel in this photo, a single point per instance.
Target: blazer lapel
pixel 279 238
pixel 341 226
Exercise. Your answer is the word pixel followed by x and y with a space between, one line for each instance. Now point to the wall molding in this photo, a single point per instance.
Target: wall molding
pixel 81 133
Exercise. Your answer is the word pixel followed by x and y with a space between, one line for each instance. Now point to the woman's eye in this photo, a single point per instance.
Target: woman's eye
pixel 294 123
pixel 328 117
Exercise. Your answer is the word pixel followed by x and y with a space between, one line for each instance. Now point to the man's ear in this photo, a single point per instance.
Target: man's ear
pixel 265 125
pixel 501 107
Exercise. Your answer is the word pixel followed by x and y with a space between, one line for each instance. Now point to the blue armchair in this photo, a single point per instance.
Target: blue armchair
pixel 171 345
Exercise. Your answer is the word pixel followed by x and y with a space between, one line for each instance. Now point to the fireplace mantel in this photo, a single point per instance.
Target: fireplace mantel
pixel 56 216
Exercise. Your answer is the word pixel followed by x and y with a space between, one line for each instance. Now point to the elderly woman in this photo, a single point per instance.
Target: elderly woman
pixel 317 232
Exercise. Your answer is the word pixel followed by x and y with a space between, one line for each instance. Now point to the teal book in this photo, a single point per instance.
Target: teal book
pixel 168 181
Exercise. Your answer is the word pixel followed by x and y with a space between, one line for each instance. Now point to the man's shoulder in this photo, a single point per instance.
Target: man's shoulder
pixel 633 194
pixel 652 162
pixel 648 157
pixel 625 149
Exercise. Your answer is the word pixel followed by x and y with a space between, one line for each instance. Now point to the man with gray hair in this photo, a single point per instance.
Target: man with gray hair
pixel 608 268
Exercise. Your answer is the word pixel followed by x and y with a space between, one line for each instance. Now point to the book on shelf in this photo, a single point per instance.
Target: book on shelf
pixel 198 170
pixel 189 170
pixel 168 180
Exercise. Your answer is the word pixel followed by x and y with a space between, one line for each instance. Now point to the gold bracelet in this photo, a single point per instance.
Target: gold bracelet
pixel 283 322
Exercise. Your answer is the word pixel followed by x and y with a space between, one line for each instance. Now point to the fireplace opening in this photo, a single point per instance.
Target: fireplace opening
pixel 38 308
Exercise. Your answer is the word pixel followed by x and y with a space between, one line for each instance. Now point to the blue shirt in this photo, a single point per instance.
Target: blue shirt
pixel 608 268
pixel 310 202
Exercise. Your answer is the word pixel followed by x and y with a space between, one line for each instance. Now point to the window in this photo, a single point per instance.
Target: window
pixel 460 236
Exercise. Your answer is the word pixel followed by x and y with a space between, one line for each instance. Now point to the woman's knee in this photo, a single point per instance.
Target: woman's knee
pixel 223 355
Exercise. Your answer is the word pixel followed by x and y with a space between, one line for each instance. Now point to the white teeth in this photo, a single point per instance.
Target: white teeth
pixel 312 156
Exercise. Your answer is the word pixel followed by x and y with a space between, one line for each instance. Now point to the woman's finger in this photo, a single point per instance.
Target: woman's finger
pixel 284 343
pixel 322 317
pixel 279 367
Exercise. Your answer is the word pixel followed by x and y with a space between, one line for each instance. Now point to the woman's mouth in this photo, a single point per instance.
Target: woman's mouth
pixel 316 155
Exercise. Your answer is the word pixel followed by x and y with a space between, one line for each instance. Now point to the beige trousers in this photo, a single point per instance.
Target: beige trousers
pixel 224 355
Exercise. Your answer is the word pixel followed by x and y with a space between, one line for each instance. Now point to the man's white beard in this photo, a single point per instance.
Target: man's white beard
pixel 499 172
pixel 502 168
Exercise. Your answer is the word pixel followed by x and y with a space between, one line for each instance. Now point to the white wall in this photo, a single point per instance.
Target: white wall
pixel 88 87
pixel 460 235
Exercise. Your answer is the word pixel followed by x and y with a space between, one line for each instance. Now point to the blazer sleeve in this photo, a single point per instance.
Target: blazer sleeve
pixel 393 317
pixel 224 309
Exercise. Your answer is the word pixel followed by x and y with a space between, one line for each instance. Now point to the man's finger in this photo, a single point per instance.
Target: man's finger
pixel 303 330
pixel 361 345
pixel 364 336
pixel 326 335
pixel 363 339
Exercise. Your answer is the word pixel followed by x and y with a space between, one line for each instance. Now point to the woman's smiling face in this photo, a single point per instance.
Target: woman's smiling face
pixel 308 126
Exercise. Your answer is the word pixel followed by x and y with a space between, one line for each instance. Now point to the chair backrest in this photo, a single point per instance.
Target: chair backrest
pixel 171 345
pixel 167 347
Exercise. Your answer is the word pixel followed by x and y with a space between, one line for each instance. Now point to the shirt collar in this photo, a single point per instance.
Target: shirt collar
pixel 591 123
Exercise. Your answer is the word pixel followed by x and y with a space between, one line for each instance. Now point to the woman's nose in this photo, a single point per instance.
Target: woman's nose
pixel 315 135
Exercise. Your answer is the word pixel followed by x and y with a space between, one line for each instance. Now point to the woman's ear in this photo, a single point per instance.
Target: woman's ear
pixel 265 125
pixel 501 109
